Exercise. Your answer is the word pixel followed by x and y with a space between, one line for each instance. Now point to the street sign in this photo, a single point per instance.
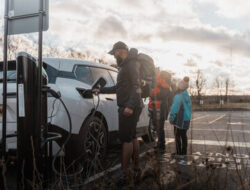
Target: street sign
pixel 24 16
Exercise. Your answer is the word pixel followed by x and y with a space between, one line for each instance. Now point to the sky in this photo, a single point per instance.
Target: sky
pixel 182 36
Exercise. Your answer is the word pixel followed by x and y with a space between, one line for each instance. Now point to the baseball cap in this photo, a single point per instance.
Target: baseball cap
pixel 118 45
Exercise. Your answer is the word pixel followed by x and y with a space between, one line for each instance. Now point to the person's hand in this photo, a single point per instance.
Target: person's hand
pixel 128 111
pixel 96 90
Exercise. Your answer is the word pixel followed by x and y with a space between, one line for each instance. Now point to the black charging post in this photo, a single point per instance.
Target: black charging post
pixel 29 130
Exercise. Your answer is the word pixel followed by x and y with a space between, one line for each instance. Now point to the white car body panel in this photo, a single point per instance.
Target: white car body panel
pixel 79 108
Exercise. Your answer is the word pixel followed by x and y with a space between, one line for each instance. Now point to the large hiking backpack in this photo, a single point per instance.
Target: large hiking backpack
pixel 147 74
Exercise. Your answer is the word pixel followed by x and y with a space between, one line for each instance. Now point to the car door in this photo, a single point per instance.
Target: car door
pixel 108 105
pixel 78 106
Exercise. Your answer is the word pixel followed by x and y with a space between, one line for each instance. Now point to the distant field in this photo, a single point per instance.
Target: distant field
pixel 224 107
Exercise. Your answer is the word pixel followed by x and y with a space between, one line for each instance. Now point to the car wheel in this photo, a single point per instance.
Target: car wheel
pixel 151 136
pixel 93 142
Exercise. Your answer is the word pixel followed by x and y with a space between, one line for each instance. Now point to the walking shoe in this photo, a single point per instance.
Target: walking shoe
pixel 122 180
pixel 137 175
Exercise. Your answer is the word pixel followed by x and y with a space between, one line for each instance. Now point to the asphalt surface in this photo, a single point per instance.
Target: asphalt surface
pixel 217 130
pixel 218 157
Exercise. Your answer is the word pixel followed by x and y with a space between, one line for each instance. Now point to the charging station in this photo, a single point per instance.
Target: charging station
pixel 20 17
pixel 34 142
pixel 29 132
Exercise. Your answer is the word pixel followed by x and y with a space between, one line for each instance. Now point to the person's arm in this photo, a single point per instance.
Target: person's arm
pixel 175 108
pixel 108 90
pixel 135 96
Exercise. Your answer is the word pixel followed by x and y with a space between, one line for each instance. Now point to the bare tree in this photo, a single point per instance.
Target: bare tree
pixel 200 83
pixel 192 89
pixel 229 84
pixel 219 86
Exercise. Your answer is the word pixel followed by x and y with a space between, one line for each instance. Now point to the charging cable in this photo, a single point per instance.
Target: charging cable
pixel 57 95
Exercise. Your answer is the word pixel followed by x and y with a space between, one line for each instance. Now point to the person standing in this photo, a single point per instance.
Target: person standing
pixel 180 116
pixel 130 105
pixel 158 106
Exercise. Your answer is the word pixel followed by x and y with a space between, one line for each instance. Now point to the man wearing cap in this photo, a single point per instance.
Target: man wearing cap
pixel 130 104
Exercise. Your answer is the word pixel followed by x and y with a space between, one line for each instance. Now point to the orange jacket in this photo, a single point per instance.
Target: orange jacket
pixel 155 104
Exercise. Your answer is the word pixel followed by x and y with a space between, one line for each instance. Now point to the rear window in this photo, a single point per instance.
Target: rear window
pixel 83 74
pixel 11 73
pixel 11 76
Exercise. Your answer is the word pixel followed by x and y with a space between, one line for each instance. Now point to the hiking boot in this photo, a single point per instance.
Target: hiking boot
pixel 122 180
pixel 160 147
pixel 137 175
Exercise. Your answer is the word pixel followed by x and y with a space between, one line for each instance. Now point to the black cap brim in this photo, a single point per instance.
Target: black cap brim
pixel 111 52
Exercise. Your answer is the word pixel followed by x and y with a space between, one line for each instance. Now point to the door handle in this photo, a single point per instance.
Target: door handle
pixel 109 99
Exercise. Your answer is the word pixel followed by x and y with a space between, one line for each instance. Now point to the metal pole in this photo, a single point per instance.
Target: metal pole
pixel 5 68
pixel 39 85
pixel 40 61
pixel 40 49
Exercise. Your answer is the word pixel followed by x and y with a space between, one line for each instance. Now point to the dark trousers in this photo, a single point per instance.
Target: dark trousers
pixel 180 141
pixel 159 118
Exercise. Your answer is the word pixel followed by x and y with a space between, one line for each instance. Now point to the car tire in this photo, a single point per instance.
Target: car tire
pixel 93 140
pixel 151 133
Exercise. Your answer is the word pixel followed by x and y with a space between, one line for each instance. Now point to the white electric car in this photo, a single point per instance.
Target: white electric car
pixel 90 134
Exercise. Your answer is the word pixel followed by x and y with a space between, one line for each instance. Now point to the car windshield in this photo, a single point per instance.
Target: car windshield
pixel 11 76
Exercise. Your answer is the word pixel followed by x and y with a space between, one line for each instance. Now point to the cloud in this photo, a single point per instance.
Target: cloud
pixel 190 63
pixel 197 56
pixel 111 27
pixel 219 38
pixel 142 37
pixel 230 8
pixel 218 63
pixel 172 32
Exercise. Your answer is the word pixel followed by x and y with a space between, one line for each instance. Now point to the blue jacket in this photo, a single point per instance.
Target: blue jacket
pixel 181 110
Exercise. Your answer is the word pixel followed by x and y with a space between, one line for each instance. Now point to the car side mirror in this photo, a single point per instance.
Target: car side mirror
pixel 99 83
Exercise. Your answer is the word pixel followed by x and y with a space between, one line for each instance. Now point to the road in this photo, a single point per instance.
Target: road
pixel 218 153
pixel 215 130
pixel 218 157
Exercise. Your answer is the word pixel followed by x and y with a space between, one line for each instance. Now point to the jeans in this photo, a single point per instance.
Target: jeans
pixel 180 141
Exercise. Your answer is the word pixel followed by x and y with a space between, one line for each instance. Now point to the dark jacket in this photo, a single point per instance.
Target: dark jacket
pixel 164 94
pixel 127 89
